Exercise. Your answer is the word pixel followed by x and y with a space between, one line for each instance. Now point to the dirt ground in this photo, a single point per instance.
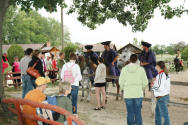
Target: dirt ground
pixel 181 76
pixel 115 112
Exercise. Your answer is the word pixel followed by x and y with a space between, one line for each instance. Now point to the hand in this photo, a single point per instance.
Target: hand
pixel 113 63
pixel 141 64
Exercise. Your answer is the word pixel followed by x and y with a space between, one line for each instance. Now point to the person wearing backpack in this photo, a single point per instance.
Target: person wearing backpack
pixel 71 73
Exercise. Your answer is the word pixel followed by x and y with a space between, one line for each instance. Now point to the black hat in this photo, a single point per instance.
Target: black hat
pixel 106 43
pixel 146 44
pixel 88 47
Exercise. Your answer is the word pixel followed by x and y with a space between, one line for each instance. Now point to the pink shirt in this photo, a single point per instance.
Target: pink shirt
pixel 17 67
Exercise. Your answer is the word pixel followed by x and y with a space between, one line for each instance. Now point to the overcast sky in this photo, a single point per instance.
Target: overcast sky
pixel 159 30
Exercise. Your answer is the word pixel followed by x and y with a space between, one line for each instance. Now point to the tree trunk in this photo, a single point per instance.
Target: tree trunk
pixel 62 29
pixel 3 8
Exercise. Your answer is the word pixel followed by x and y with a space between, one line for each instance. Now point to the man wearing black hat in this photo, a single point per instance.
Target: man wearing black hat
pixel 110 59
pixel 148 61
pixel 91 55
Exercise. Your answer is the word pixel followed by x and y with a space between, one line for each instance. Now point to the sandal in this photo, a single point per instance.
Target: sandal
pixel 97 108
pixel 102 107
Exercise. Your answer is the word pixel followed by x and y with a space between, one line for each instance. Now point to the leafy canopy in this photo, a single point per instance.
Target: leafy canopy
pixel 91 13
pixel 26 28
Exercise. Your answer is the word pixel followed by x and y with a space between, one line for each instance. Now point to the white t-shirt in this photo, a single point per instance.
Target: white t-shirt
pixel 75 72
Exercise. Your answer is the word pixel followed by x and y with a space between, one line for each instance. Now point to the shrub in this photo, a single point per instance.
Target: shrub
pixel 184 54
pixel 70 48
pixel 14 50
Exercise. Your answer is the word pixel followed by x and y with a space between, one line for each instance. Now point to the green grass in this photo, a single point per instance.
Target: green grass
pixel 7 118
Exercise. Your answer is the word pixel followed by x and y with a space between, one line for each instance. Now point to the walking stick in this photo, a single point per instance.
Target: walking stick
pixel 152 103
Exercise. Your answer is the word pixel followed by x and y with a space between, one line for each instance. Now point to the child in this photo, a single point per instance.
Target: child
pixel 62 100
pixel 100 83
pixel 161 88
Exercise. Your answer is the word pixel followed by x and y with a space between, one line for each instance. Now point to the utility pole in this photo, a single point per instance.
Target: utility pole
pixel 62 29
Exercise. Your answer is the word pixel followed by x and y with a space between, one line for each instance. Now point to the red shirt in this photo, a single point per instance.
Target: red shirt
pixel 5 65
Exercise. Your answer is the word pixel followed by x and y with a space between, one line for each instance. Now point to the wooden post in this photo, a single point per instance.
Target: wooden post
pixel 62 29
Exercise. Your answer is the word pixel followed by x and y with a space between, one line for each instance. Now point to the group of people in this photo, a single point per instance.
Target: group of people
pixel 133 80
pixel 135 77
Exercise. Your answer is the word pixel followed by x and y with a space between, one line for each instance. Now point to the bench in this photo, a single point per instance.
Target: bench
pixel 9 76
pixel 21 116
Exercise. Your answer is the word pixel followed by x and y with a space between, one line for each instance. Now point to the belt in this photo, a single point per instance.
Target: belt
pixel 158 97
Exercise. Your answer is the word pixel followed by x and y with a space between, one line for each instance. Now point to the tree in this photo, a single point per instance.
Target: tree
pixel 184 53
pixel 69 48
pixel 13 51
pixel 157 49
pixel 136 13
pixel 21 28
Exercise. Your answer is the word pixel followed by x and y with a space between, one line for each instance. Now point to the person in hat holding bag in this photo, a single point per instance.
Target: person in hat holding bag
pixel 110 59
pixel 148 61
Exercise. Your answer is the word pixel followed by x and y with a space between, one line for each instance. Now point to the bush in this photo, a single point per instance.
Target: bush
pixel 70 48
pixel 14 50
pixel 184 54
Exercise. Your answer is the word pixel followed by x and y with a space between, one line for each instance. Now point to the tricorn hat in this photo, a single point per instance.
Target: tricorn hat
pixel 106 43
pixel 88 47
pixel 146 44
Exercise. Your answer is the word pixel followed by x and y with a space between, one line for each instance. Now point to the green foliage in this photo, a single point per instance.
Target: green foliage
pixel 24 28
pixel 136 13
pixel 157 49
pixel 13 51
pixel 68 49
pixel 170 49
pixel 185 53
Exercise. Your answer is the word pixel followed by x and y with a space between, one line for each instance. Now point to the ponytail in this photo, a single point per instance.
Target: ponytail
pixel 161 64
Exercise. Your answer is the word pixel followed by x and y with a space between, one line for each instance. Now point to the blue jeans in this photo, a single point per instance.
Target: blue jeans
pixel 33 83
pixel 162 111
pixel 74 98
pixel 27 85
pixel 73 123
pixel 134 106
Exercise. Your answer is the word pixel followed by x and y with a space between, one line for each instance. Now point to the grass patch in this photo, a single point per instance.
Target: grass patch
pixel 12 89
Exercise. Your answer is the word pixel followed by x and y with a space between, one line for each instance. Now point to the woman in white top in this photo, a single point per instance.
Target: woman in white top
pixel 161 89
pixel 100 83
pixel 71 73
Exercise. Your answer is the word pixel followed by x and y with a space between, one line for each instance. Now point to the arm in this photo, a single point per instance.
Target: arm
pixel 122 79
pixel 97 74
pixel 115 59
pixel 144 79
pixel 62 72
pixel 78 73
